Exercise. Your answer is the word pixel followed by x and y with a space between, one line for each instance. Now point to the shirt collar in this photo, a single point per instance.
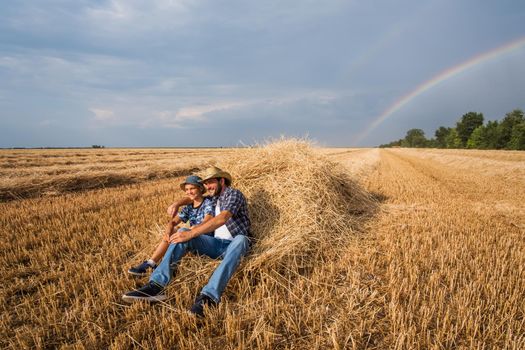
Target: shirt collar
pixel 225 193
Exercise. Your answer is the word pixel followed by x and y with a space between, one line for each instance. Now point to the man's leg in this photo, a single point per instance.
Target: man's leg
pixel 164 272
pixel 232 257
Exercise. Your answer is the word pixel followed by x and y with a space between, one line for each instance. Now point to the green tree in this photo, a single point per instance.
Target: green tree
pixel 466 126
pixel 490 135
pixel 432 143
pixel 453 140
pixel 505 127
pixel 414 138
pixel 476 139
pixel 392 144
pixel 441 136
pixel 517 139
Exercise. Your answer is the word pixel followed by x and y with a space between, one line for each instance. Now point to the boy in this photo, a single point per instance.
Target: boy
pixel 200 210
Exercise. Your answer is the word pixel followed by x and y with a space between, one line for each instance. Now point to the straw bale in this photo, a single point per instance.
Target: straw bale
pixel 302 206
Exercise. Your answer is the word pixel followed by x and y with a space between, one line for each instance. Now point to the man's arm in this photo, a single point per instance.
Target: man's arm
pixel 205 227
pixel 174 208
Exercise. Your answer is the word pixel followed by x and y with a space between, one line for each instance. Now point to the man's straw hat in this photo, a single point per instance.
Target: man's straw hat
pixel 213 173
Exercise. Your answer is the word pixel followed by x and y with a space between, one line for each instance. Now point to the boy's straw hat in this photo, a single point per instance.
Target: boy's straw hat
pixel 193 180
pixel 213 173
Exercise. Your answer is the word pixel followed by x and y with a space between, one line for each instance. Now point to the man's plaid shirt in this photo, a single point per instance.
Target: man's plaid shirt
pixel 234 201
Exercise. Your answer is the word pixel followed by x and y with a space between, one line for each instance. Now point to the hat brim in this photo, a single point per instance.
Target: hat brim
pixel 201 186
pixel 218 175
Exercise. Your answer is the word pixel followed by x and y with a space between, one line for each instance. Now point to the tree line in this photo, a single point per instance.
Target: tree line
pixel 471 132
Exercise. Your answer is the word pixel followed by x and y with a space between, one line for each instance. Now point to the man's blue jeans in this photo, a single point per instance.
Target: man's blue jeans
pixel 230 252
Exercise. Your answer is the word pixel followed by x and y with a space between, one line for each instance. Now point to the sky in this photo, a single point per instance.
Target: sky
pixel 201 73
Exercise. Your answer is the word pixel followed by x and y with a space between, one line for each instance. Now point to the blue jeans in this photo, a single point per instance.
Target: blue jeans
pixel 229 251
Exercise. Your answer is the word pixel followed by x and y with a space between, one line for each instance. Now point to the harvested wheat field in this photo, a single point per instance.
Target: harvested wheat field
pixel 355 248
pixel 30 173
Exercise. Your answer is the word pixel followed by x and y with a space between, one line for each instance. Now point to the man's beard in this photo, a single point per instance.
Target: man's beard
pixel 218 190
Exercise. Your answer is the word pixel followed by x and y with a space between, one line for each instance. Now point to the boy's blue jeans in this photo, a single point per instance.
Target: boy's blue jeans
pixel 230 252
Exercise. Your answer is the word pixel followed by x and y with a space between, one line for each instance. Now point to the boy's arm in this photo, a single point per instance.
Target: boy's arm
pixel 169 227
pixel 175 221
pixel 173 209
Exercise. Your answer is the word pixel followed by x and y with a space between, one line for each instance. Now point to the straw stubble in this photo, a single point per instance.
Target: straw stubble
pixel 353 249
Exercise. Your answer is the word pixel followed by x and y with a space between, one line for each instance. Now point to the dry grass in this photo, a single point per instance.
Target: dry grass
pixel 453 267
pixel 355 249
pixel 30 173
pixel 500 166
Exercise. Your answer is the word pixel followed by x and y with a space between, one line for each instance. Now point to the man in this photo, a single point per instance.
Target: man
pixel 231 226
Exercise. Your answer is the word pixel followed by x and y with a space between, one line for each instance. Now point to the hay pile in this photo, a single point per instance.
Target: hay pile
pixel 303 207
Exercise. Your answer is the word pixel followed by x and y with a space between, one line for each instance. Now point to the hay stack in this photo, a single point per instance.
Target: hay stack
pixel 302 206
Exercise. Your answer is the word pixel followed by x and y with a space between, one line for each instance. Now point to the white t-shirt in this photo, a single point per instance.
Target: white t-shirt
pixel 221 232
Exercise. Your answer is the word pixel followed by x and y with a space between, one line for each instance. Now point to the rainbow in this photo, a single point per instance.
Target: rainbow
pixel 439 78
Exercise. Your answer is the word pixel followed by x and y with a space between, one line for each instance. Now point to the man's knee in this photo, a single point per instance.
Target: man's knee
pixel 240 242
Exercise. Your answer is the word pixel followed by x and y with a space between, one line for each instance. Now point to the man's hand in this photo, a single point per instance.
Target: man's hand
pixel 180 237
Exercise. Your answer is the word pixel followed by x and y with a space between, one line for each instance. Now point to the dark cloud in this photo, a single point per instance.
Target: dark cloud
pixel 157 73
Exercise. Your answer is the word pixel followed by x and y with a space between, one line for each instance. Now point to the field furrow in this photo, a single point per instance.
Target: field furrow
pixel 452 265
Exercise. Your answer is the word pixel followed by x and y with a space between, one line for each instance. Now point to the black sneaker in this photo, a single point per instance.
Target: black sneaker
pixel 150 292
pixel 142 269
pixel 198 307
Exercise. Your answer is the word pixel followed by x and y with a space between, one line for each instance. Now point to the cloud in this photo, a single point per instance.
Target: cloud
pixel 191 116
pixel 197 112
pixel 198 115
pixel 139 67
pixel 103 115
pixel 117 17
pixel 47 122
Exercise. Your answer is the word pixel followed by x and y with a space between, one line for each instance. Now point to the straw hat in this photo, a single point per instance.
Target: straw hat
pixel 215 173
pixel 192 180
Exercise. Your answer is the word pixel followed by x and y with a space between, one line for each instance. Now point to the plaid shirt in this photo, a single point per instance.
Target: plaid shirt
pixel 233 201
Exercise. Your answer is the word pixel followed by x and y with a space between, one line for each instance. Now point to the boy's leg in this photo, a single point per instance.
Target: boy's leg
pixel 160 251
pixel 174 252
pixel 150 264
pixel 232 257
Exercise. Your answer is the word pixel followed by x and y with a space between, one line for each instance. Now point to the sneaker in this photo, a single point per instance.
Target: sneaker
pixel 142 269
pixel 198 307
pixel 150 292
